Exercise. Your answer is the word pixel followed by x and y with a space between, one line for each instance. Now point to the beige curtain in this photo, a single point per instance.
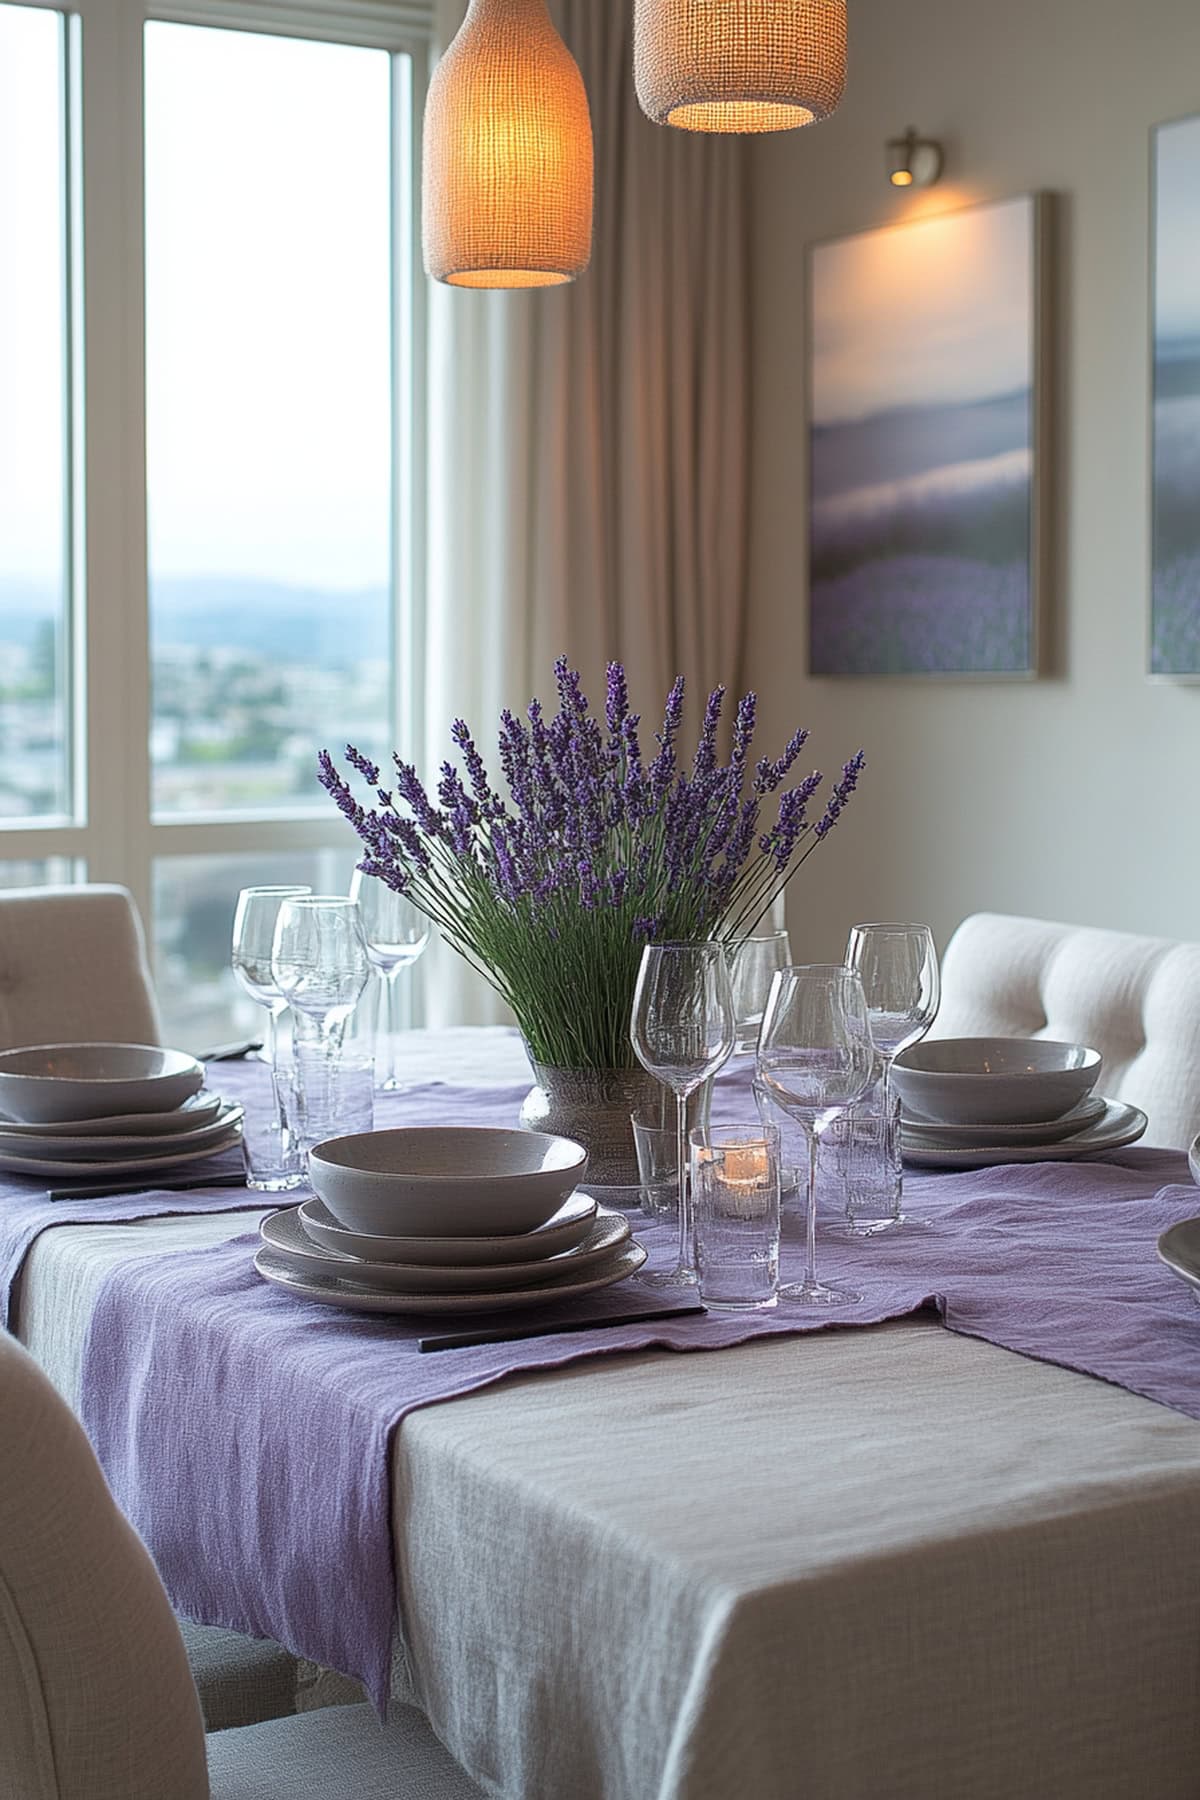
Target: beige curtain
pixel 589 445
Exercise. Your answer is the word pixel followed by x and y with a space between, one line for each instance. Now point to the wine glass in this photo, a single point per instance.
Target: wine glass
pixel 815 1058
pixel 396 933
pixel 319 960
pixel 682 1031
pixel 253 937
pixel 898 967
pixel 753 962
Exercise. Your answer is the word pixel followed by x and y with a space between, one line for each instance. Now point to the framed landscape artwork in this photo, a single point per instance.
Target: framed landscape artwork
pixel 925 380
pixel 1175 576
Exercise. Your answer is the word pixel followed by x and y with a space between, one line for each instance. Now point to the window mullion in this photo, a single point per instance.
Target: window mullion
pixel 114 456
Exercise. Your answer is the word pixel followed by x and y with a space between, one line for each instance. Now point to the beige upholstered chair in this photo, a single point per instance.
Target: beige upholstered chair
pixel 97 1701
pixel 1136 999
pixel 73 968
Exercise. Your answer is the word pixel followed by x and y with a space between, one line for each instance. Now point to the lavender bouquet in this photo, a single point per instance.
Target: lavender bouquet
pixel 551 890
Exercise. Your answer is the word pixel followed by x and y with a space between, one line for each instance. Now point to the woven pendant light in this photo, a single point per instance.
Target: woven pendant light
pixel 508 154
pixel 739 65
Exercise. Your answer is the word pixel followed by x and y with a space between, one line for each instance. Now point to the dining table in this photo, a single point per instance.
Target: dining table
pixel 896 1560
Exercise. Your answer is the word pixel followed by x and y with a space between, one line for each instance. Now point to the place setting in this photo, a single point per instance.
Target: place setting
pixel 85 1112
pixel 968 1103
pixel 446 1220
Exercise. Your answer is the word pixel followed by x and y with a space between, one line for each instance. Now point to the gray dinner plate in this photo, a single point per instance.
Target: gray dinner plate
pixel 1179 1248
pixel 352 1296
pixel 1120 1125
pixel 965 1137
pixel 128 1165
pixel 1194 1159
pixel 107 1148
pixel 201 1109
pixel 283 1233
pixel 569 1226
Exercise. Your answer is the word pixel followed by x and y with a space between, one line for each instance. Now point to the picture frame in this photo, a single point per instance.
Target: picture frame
pixel 1173 650
pixel 928 433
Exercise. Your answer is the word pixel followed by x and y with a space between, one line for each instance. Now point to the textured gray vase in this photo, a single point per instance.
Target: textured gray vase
pixel 593 1106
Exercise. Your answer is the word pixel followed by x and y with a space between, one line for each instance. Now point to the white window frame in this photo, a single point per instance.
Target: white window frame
pixel 111 829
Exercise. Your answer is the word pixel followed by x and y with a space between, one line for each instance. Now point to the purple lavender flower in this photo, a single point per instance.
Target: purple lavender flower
pixel 841 794
pixel 662 769
pixel 769 775
pixel 705 758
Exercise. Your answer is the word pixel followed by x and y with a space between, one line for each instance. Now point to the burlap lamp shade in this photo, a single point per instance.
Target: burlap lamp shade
pixel 739 65
pixel 508 154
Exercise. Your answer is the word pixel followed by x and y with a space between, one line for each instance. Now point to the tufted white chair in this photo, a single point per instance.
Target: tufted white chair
pixel 98 1703
pixel 1135 999
pixel 73 968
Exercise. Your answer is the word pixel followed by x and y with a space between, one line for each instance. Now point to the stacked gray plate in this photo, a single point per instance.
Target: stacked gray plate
pixel 1092 1128
pixel 75 1112
pixel 581 1248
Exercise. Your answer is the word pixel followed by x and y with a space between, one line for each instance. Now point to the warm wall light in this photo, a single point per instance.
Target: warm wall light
pixel 914 161
pixel 739 65
pixel 508 154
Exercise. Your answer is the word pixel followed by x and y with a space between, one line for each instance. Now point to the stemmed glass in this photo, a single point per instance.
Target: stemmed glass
pixel 396 933
pixel 253 938
pixel 319 961
pixel 898 968
pixel 753 963
pixel 682 1031
pixel 815 1058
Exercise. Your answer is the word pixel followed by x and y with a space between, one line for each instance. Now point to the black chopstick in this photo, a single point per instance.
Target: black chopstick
pixel 231 1052
pixel 173 1185
pixel 506 1334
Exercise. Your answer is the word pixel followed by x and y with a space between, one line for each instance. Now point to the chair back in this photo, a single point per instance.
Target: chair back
pixel 1135 999
pixel 98 1702
pixel 73 968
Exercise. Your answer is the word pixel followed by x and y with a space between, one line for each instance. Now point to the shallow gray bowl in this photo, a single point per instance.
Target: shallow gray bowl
pixel 445 1181
pixel 51 1082
pixel 993 1081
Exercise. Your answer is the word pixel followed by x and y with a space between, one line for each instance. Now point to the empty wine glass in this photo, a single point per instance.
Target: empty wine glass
pixel 898 968
pixel 815 1058
pixel 396 933
pixel 682 1031
pixel 753 962
pixel 319 960
pixel 253 937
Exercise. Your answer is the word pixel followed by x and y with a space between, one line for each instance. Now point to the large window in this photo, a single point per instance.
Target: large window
pixel 210 437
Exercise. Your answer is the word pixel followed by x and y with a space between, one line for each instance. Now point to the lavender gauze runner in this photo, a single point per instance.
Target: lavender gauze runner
pixel 248 1433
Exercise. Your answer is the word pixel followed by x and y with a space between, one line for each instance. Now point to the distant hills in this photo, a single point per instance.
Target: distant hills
pixel 265 618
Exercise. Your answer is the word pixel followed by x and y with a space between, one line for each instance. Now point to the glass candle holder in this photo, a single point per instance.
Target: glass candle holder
pixel 735 1183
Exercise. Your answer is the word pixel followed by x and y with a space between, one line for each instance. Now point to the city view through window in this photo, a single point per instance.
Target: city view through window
pixel 268 354
pixel 272 354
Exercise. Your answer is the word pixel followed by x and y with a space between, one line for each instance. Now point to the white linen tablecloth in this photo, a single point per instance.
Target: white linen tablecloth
pixel 891 1563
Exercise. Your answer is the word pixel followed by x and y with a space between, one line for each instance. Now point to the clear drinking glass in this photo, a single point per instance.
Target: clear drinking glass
pixel 735 1184
pixel 898 968
pixel 396 933
pixel 815 1058
pixel 272 1153
pixel 319 960
pixel 753 964
pixel 682 1032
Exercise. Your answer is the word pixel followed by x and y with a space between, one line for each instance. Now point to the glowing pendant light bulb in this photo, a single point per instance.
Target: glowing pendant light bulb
pixel 508 154
pixel 739 65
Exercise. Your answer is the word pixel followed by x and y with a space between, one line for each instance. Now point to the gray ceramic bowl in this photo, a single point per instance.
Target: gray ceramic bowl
pixel 993 1081
pixel 50 1082
pixel 445 1181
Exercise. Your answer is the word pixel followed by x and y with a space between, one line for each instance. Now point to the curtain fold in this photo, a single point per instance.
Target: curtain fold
pixel 589 445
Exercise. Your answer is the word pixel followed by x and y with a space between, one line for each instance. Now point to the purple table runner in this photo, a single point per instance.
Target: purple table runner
pixel 248 1433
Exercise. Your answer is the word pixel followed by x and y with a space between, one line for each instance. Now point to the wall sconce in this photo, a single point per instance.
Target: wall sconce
pixel 914 161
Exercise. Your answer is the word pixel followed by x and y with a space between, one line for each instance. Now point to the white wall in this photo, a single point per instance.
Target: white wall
pixel 1074 797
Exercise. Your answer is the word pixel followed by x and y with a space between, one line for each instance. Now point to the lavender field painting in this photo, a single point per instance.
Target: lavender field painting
pixel 922 447
pixel 1175 630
